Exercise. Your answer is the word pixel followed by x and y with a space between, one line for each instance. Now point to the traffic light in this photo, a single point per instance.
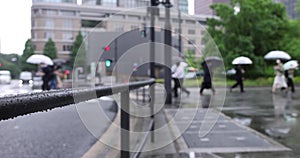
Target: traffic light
pixel 108 63
pixel 155 2
pixel 107 48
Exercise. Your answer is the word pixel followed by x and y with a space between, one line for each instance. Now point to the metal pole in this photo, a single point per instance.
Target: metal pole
pixel 116 60
pixel 125 124
pixel 168 56
pixel 153 10
pixel 152 40
pixel 179 33
pixel 152 100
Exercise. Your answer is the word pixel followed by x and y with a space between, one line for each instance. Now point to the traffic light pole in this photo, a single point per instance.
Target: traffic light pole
pixel 152 46
pixel 168 53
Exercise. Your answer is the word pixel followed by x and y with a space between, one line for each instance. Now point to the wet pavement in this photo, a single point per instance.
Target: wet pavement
pixel 59 133
pixel 275 115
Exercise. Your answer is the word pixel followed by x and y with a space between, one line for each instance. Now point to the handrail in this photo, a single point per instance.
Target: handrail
pixel 22 104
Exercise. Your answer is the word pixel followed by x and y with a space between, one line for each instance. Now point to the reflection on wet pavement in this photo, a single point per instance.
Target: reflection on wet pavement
pixel 275 115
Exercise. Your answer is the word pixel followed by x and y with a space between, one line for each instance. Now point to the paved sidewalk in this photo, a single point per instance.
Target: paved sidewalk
pixel 165 144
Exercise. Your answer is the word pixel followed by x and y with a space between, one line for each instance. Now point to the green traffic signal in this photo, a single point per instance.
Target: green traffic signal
pixel 108 63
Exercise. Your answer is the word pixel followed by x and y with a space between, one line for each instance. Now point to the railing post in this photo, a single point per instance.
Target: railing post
pixel 125 124
pixel 144 93
pixel 152 95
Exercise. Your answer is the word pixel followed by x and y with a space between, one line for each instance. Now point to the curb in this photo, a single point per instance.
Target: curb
pixel 100 149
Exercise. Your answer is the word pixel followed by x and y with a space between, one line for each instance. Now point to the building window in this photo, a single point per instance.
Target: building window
pixel 49 23
pixel 133 17
pixel 191 31
pixel 67 24
pixel 68 13
pixel 108 3
pixel 119 27
pixel 49 34
pixel 35 11
pixel 133 27
pixel 67 35
pixel 67 47
pixel 55 1
pixel 34 23
pixel 49 12
pixel 34 35
pixel 190 21
pixel 118 16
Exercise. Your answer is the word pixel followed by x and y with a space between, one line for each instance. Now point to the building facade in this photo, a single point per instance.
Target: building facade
pixel 202 7
pixel 291 8
pixel 62 21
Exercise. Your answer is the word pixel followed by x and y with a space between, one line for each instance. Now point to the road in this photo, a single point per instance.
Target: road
pixel 59 133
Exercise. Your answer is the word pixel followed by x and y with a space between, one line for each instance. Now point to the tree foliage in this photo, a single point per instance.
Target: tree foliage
pixel 27 52
pixel 10 62
pixel 78 55
pixel 256 29
pixel 50 49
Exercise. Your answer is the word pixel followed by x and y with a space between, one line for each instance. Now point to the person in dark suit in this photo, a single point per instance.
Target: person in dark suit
pixel 47 75
pixel 207 78
pixel 239 78
pixel 289 75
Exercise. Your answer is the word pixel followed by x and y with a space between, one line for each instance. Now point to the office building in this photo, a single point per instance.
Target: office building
pixel 202 7
pixel 62 21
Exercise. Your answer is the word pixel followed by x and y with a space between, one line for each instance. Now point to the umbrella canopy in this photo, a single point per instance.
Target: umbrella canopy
pixel 214 60
pixel 38 58
pixel 241 60
pixel 277 54
pixel 293 64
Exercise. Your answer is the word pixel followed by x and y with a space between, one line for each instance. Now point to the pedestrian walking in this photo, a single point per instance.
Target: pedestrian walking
pixel 289 74
pixel 239 78
pixel 46 73
pixel 207 78
pixel 279 80
pixel 178 78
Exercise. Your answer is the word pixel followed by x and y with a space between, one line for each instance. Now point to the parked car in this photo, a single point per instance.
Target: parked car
pixel 25 77
pixel 5 77
pixel 37 82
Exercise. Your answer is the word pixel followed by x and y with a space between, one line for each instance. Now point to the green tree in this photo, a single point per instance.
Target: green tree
pixel 50 49
pixel 255 30
pixel 78 55
pixel 27 52
pixel 190 59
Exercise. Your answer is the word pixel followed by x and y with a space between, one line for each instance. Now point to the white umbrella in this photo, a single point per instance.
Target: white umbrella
pixel 38 58
pixel 241 60
pixel 183 64
pixel 277 54
pixel 291 65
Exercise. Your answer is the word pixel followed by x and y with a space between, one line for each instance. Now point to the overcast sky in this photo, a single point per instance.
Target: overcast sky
pixel 15 24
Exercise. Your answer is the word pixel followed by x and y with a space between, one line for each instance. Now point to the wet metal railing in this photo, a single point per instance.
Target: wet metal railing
pixel 22 104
